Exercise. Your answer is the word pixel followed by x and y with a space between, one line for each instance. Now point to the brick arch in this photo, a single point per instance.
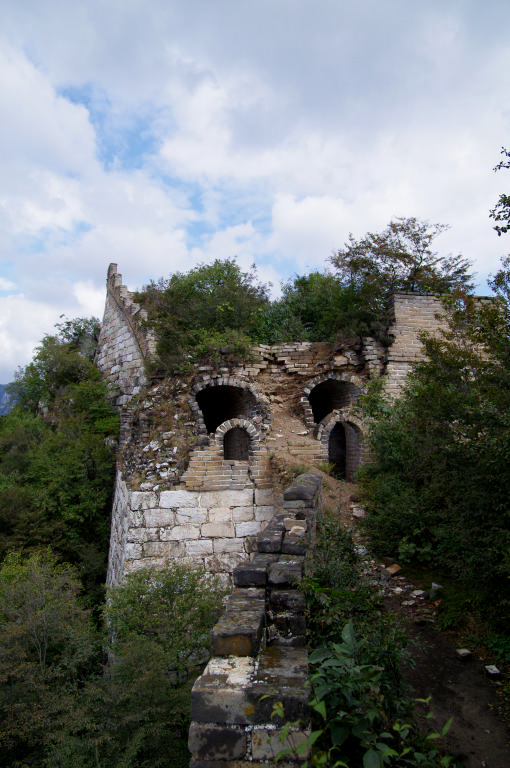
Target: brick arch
pixel 250 405
pixel 247 426
pixel 354 434
pixel 349 379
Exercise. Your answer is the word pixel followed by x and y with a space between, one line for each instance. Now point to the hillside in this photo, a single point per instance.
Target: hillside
pixel 5 406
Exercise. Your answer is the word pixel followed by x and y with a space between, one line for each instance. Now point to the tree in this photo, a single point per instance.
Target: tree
pixel 439 481
pixel 49 645
pixel 501 211
pixel 209 307
pixel 56 469
pixel 61 359
pixel 158 625
pixel 400 258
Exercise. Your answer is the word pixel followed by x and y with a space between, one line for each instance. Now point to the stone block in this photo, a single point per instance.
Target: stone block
pixel 265 497
pixel 294 544
pixel 251 528
pixel 183 532
pixel 243 514
pixel 282 600
pixel 159 549
pixel 207 741
pixel 220 693
pixel 290 624
pixel 270 540
pixel 250 575
pixel 218 530
pixel 220 515
pixel 191 515
pixel 305 488
pixel 264 513
pixel 143 500
pixel 178 498
pixel 133 551
pixel 268 742
pixel 227 546
pixel 159 517
pixel 198 548
pixel 239 631
pixel 284 574
pixel 235 690
pixel 227 498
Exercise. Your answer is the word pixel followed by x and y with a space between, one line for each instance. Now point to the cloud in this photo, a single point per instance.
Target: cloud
pixel 159 135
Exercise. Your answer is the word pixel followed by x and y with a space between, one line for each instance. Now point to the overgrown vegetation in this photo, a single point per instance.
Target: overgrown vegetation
pixel 362 712
pixel 439 483
pixel 56 466
pixel 73 693
pixel 216 312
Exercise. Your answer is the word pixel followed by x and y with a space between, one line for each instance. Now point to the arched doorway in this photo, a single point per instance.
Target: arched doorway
pixel 236 444
pixel 219 403
pixel 337 450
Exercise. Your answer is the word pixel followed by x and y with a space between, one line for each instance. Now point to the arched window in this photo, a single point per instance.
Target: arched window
pixel 219 403
pixel 331 395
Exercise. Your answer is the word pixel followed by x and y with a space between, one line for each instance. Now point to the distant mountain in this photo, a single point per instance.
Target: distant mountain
pixel 5 400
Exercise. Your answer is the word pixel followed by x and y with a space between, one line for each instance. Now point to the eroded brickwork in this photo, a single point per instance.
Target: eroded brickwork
pixel 182 491
pixel 123 343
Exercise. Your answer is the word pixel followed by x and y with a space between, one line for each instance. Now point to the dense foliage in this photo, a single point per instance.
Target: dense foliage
pixel 56 467
pixel 438 488
pixel 217 311
pixel 63 702
pixel 362 712
pixel 400 258
pixel 204 311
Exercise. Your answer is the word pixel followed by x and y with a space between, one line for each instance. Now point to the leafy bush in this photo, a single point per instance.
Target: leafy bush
pixel 199 312
pixel 362 713
pixel 439 481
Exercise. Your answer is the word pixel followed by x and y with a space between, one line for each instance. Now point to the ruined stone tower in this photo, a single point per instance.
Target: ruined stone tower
pixel 198 454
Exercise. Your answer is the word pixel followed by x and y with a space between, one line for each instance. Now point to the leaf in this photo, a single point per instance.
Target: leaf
pixel 447 726
pixel 372 759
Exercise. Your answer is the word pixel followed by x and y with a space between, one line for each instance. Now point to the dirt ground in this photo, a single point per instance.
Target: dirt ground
pixel 459 689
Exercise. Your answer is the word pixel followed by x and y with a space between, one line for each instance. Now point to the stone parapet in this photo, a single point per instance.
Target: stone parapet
pixel 124 344
pixel 259 654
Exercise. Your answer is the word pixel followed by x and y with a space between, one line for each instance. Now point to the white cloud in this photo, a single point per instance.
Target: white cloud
pixel 213 130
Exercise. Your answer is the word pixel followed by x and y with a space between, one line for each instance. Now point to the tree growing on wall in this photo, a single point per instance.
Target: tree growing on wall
pixel 202 311
pixel 400 258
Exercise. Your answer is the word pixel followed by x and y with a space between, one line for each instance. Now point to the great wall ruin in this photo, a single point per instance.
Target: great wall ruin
pixel 197 481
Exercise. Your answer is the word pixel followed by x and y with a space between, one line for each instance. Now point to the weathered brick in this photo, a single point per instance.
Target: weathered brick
pixel 216 742
pixel 251 528
pixel 178 498
pixel 183 532
pixel 218 530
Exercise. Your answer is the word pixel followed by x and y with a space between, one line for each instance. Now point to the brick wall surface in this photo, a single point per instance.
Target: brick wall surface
pixel 123 344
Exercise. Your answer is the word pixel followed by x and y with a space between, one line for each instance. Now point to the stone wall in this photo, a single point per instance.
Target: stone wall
pixel 259 654
pixel 213 529
pixel 181 493
pixel 123 342
pixel 411 314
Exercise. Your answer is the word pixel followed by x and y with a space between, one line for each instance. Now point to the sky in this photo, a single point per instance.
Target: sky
pixel 166 133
